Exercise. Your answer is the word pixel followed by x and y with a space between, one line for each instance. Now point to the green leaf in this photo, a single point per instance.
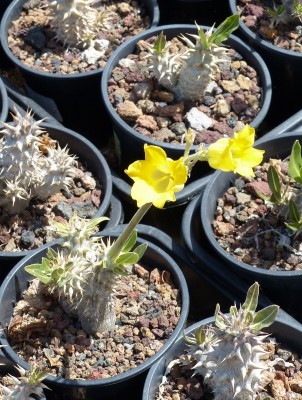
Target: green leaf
pixel 189 340
pixel 127 258
pixel 200 335
pixel 140 250
pixel 37 271
pixel 224 30
pixel 57 273
pixel 160 43
pixel 130 242
pixel 233 311
pixel 264 317
pixel 51 254
pixel 251 300
pixel 204 40
pixel 248 318
pixel 274 183
pixel 294 226
pixel 294 213
pixel 295 162
pixel 96 221
pixel 120 270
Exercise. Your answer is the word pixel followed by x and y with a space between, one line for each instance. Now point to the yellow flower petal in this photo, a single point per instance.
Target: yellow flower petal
pixel 236 154
pixel 220 156
pixel 157 178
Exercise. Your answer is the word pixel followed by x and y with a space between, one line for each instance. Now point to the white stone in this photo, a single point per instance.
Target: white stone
pixel 91 55
pixel 198 120
pixel 125 62
pixel 101 44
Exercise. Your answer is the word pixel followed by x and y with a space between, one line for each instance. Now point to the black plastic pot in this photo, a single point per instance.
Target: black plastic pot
pixel 284 66
pixel 131 143
pixel 128 384
pixel 3 102
pixel 207 12
pixel 70 95
pixel 91 157
pixel 282 287
pixel 289 332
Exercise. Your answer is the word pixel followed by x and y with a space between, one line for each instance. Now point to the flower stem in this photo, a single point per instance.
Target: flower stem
pixel 118 245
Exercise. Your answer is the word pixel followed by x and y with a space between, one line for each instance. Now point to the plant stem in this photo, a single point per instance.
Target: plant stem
pixel 117 246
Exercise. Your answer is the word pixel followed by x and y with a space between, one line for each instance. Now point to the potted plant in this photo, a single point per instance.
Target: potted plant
pixel 66 45
pixel 273 26
pixel 3 102
pixel 144 95
pixel 23 384
pixel 278 44
pixel 267 232
pixel 230 356
pixel 47 172
pixel 94 279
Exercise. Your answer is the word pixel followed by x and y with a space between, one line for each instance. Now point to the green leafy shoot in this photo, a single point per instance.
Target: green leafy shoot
pixel 297 12
pixel 274 185
pixel 295 163
pixel 264 318
pixel 160 43
pixel 275 13
pixel 41 271
pixel 199 336
pixel 128 256
pixel 130 242
pixel 224 30
pixel 294 221
pixel 251 300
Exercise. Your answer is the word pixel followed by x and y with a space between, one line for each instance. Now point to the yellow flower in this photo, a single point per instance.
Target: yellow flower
pixel 236 154
pixel 157 178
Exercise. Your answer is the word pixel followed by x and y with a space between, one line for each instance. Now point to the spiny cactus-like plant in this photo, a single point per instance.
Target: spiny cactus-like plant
pixel 285 12
pixel 75 22
pixel 188 74
pixel 25 171
pixel 82 272
pixel 28 386
pixel 229 355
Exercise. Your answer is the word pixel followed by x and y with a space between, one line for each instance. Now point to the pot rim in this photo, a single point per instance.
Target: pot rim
pixel 179 279
pixel 4 102
pixel 131 43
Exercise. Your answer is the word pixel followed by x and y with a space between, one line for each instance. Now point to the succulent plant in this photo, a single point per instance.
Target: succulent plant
pixel 28 386
pixel 25 170
pixel 285 12
pixel 189 73
pixel 230 354
pixel 82 272
pixel 75 22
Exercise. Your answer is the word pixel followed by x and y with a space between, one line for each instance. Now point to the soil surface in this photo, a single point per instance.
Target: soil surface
pixel 254 232
pixel 32 40
pixel 286 36
pixel 234 99
pixel 281 382
pixel 147 307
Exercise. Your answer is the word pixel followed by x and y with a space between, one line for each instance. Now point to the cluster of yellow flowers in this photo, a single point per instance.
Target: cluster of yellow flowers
pixel 158 178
